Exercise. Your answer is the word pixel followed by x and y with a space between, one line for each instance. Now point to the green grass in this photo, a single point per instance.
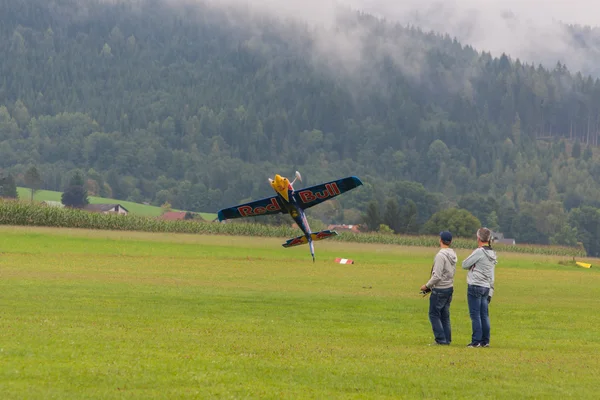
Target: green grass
pixel 134 208
pixel 101 314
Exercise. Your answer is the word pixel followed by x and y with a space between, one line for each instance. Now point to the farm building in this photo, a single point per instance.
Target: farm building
pixel 50 203
pixel 498 237
pixel 344 228
pixel 506 241
pixel 106 208
pixel 178 215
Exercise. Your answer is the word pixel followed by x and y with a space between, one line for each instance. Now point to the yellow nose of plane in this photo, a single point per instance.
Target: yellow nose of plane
pixel 280 184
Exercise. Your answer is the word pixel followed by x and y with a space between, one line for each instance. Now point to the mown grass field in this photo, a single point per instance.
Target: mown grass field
pixel 134 208
pixel 101 314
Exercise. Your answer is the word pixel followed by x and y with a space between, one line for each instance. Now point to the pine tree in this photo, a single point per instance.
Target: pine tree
pixel 576 151
pixel 33 180
pixel 587 153
pixel 372 218
pixel 409 217
pixel 76 195
pixel 392 217
pixel 8 188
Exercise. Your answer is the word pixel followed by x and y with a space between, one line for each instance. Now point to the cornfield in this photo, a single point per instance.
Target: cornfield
pixel 22 213
pixel 458 243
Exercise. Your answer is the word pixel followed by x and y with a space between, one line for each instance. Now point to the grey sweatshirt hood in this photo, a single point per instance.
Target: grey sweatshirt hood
pixel 443 270
pixel 481 265
pixel 450 255
pixel 490 254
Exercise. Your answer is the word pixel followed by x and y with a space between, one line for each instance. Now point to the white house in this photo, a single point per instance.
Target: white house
pixel 106 208
pixel 50 203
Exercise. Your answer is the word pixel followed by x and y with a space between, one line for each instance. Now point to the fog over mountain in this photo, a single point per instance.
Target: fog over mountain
pixel 534 31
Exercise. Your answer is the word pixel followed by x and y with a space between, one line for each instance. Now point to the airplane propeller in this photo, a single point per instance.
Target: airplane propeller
pixel 298 176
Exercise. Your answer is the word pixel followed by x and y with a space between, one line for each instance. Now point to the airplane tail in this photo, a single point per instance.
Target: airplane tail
pixel 316 236
pixel 297 241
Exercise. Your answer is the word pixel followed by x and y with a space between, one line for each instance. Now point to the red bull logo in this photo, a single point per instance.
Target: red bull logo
pixel 248 211
pixel 331 189
pixel 324 234
pixel 296 241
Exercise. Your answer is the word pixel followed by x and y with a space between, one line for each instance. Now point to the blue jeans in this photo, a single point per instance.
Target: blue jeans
pixel 478 310
pixel 439 314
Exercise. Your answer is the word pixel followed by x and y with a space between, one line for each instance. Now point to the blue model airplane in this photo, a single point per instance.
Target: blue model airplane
pixel 294 202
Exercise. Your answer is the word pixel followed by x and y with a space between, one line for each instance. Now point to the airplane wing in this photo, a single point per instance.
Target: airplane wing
pixel 313 195
pixel 266 206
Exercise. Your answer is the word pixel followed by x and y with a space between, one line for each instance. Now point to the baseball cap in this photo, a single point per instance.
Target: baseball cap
pixel 446 236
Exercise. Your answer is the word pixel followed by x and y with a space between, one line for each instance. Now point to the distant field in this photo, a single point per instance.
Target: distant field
pixel 101 314
pixel 135 208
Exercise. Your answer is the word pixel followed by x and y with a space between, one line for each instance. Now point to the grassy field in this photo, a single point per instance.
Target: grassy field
pixel 100 314
pixel 134 208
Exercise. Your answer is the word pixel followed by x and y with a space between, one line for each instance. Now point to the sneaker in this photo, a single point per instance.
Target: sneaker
pixel 474 344
pixel 485 345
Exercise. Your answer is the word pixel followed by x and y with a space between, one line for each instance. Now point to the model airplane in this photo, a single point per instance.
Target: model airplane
pixel 294 202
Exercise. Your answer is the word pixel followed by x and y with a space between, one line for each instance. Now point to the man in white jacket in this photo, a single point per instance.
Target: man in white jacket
pixel 480 279
pixel 441 285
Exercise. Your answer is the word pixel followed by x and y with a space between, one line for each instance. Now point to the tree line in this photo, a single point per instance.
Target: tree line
pixel 75 194
pixel 408 208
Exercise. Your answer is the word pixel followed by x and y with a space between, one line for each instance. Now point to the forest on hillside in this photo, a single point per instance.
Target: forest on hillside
pixel 198 106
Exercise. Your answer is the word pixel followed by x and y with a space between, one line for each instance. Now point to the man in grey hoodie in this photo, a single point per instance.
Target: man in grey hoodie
pixel 480 279
pixel 441 285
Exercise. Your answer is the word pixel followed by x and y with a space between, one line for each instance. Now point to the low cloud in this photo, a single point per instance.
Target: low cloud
pixel 531 30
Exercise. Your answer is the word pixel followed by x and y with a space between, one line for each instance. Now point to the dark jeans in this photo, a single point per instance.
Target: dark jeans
pixel 439 314
pixel 478 310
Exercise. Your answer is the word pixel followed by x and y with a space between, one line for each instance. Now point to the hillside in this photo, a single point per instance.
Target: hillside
pixel 198 105
pixel 133 208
